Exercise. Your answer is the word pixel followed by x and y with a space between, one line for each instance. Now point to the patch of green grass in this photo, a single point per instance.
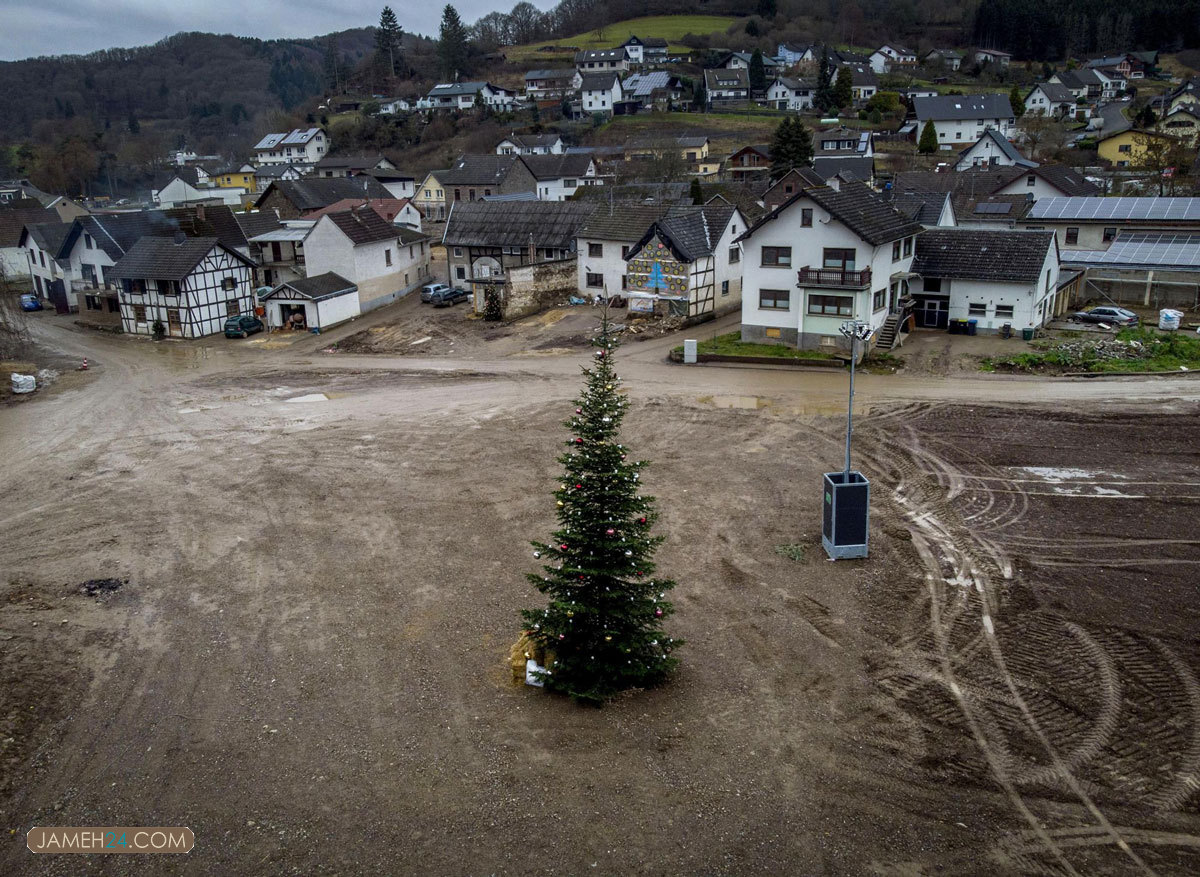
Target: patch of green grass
pixel 792 552
pixel 732 344
pixel 668 27
pixel 1155 352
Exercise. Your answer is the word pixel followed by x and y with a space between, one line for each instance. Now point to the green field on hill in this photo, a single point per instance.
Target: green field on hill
pixel 668 27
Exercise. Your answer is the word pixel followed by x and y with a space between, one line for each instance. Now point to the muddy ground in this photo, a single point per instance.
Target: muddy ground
pixel 301 652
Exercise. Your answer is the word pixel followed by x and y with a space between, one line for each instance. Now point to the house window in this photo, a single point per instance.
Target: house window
pixel 1072 235
pixel 568 184
pixel 624 282
pixel 1125 147
pixel 227 283
pixel 777 257
pixel 805 215
pixel 232 308
pixel 1004 311
pixel 977 309
pixel 595 281
pixel 1031 180
pixel 427 193
pixel 735 255
pixel 88 242
pixel 460 272
pixel 1110 235
pixel 879 299
pixel 841 260
pixel 933 284
pixel 596 251
pixel 908 245
pixel 831 305
pixel 139 313
pixel 724 287
pixel 470 194
pixel 93 302
pixel 895 250
pixel 458 252
pixel 457 194
pixel 387 257
pixel 136 287
pixel 42 254
pixel 114 306
pixel 774 299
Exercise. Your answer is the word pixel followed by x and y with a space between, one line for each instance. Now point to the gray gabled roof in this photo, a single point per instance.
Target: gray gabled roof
pixel 1004 146
pixel 601 81
pixel 313 193
pixel 690 232
pixel 953 107
pixel 645 84
pixel 545 224
pixel 625 223
pixel 480 169
pixel 565 73
pixel 163 258
pixel 327 285
pixel 1055 92
pixel 554 167
pixel 857 207
pixel 923 207
pixel 971 254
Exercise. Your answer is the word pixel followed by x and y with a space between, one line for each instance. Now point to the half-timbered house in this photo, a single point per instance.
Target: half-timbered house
pixel 687 263
pixel 189 285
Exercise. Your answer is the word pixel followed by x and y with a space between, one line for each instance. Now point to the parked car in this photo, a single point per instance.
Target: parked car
pixel 243 326
pixel 1106 314
pixel 448 297
pixel 30 302
pixel 430 289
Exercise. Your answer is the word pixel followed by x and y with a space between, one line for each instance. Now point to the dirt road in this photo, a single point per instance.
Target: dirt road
pixel 298 651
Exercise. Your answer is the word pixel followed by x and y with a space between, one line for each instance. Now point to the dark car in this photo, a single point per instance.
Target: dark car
pixel 429 290
pixel 448 297
pixel 243 326
pixel 1106 314
pixel 30 302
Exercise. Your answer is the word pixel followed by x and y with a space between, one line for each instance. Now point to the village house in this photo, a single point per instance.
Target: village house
pixel 795 54
pixel 269 173
pixel 1047 181
pixel 864 83
pixel 349 165
pixel 686 263
pixel 604 241
pixel 600 93
pixel 824 256
pixel 1055 100
pixel 648 50
pixel 279 252
pixel 472 178
pixel 1128 65
pixel 889 56
pixel 295 199
pixel 398 183
pixel 236 177
pixel 930 209
pixel 1183 123
pixel 748 163
pixel 311 303
pixel 183 186
pixel 392 106
pixel 992 150
pixel 188 286
pixel 531 144
pixel 1112 83
pixel 552 85
pixel 92 246
pixel 992 58
pixel 723 87
pixel 559 176
pixel 788 185
pixel 947 59
pixel 1094 223
pixel 741 61
pixel 463 96
pixel 961 119
pixel 521 253
pixel 995 278
pixel 1129 148
pixel 994 212
pixel 302 148
pixel 398 211
pixel 657 88
pixel 601 61
pixel 1084 84
pixel 41 243
pixel 383 260
pixel 14 261
pixel 785 93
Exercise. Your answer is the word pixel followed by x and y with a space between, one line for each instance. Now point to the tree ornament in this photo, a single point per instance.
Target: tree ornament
pixel 628 553
pixel 563 546
pixel 578 410
pixel 606 420
pixel 537 554
pixel 578 441
pixel 658 613
pixel 610 531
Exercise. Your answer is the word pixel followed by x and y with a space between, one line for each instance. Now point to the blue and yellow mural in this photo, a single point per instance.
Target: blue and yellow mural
pixel 655 269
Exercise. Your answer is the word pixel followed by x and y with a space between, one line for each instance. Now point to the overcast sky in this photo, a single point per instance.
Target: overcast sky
pixel 56 27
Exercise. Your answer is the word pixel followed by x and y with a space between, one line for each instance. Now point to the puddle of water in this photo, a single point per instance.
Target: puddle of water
pixel 751 402
pixel 311 397
pixel 1056 475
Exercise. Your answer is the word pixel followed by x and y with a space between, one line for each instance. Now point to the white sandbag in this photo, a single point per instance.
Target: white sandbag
pixel 532 667
pixel 23 383
pixel 1170 319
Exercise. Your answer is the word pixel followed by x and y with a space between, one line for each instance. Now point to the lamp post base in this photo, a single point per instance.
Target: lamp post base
pixel 846 515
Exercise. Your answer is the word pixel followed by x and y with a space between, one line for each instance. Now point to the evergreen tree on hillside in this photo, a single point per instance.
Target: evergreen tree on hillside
pixel 696 192
pixel 928 144
pixel 1016 102
pixel 758 73
pixel 791 147
pixel 823 99
pixel 333 79
pixel 602 629
pixel 387 41
pixel 843 88
pixel 452 44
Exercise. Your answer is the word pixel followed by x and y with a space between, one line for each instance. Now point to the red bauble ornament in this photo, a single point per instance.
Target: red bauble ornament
pixel 641 520
pixel 578 410
pixel 658 613
pixel 578 441
pixel 563 546
pixel 579 487
pixel 610 532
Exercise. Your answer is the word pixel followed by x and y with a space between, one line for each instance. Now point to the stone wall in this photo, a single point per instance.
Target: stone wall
pixel 532 288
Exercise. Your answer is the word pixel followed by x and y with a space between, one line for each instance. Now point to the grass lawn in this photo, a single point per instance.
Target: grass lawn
pixel 668 27
pixel 732 344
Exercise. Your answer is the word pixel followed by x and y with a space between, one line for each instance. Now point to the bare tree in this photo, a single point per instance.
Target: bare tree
pixel 14 329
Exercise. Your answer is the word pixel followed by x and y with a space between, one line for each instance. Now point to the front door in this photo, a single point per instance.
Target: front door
pixel 936 313
pixel 174 324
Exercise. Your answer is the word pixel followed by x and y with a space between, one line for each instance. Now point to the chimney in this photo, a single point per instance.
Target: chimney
pixel 200 212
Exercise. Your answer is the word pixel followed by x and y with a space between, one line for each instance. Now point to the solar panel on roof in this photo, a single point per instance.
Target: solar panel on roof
pixel 996 207
pixel 1118 209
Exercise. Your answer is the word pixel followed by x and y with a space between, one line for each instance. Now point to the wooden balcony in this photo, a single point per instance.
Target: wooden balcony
pixel 834 278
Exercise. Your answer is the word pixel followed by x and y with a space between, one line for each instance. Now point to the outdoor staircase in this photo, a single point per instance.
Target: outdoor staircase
pixel 889 333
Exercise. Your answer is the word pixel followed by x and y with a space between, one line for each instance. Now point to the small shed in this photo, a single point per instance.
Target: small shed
pixel 311 303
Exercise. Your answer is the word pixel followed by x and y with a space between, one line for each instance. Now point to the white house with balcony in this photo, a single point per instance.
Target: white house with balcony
pixel 824 256
pixel 786 93
pixel 890 55
pixel 600 92
pixel 960 119
pixel 301 147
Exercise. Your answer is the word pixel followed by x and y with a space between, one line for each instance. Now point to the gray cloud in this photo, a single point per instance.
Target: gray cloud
pixel 58 27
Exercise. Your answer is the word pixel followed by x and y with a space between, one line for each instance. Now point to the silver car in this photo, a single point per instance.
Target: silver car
pixel 429 290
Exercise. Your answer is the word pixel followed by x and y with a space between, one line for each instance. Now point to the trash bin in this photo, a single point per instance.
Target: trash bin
pixel 972 326
pixel 1006 330
pixel 1027 334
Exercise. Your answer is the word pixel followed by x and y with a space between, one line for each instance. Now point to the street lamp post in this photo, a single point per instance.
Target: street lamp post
pixel 847 493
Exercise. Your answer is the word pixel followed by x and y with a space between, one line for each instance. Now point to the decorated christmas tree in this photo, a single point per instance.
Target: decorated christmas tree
pixel 602 630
